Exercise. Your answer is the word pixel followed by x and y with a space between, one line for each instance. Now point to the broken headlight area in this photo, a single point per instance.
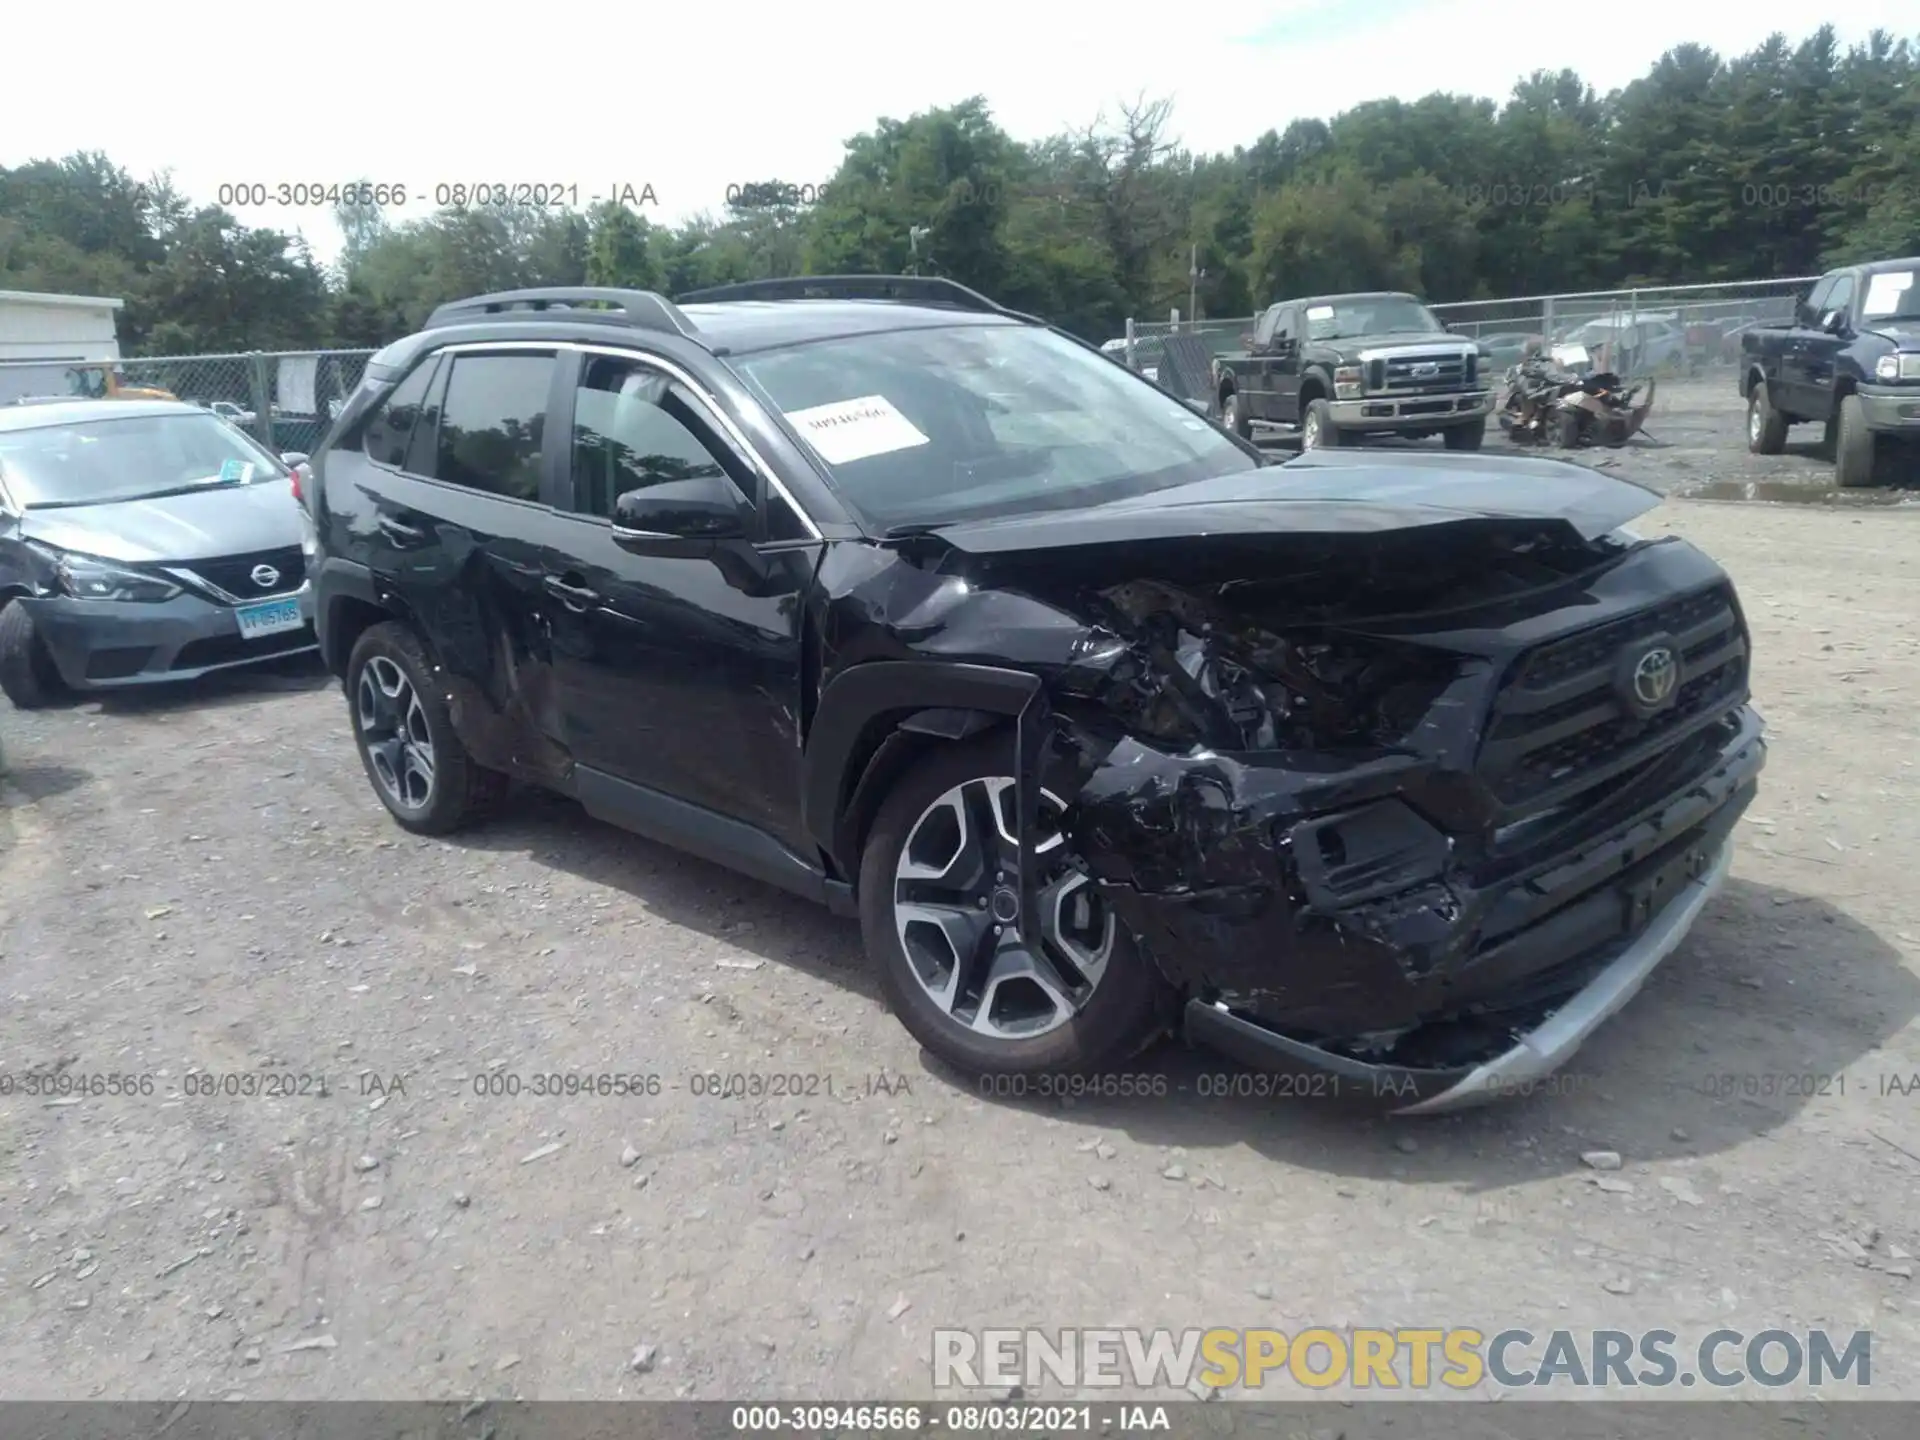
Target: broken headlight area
pixel 1173 665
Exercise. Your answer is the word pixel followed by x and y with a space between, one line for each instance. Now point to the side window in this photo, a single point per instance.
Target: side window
pixel 634 428
pixel 783 521
pixel 1286 326
pixel 1816 305
pixel 492 422
pixel 1838 298
pixel 426 429
pixel 385 438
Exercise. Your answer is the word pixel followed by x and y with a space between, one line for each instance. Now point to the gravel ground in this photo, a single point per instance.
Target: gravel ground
pixel 201 886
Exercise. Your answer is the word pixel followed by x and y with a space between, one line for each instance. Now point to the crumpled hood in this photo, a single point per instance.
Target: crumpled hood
pixel 1332 492
pixel 221 520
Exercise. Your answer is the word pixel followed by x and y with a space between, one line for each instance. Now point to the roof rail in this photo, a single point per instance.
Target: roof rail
pixel 905 289
pixel 640 308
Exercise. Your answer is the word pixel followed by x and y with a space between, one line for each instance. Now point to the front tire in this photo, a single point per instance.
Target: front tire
pixel 1766 426
pixel 401 725
pixel 1465 437
pixel 1317 430
pixel 939 874
pixel 1855 447
pixel 27 672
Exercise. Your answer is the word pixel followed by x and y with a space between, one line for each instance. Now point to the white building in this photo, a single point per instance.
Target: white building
pixel 36 326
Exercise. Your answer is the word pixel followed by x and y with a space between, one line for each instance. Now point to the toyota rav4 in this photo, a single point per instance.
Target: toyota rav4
pixel 1399 769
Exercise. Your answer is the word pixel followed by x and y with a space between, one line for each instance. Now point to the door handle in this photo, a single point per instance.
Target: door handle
pixel 400 531
pixel 574 597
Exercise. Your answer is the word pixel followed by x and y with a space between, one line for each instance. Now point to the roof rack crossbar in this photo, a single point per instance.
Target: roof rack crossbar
pixel 642 309
pixel 905 289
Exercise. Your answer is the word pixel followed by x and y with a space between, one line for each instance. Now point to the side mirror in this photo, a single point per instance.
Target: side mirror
pixel 687 518
pixel 293 459
pixel 1834 322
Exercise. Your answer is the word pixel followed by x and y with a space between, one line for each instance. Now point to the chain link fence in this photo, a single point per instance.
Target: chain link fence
pixel 286 399
pixel 1678 329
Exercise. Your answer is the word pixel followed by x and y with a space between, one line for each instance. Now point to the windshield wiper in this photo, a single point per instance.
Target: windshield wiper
pixel 193 489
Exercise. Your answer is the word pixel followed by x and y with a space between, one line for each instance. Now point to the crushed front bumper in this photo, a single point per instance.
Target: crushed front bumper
pixel 106 644
pixel 1443 978
pixel 1533 1057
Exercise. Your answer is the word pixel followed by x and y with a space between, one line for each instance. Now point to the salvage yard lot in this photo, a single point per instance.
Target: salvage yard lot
pixel 201 886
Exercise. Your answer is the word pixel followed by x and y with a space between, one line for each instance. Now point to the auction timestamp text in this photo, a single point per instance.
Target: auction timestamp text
pixel 448 194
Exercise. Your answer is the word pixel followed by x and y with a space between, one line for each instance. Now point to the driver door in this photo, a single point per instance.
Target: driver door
pixel 677 677
pixel 1818 360
pixel 1278 398
pixel 1794 392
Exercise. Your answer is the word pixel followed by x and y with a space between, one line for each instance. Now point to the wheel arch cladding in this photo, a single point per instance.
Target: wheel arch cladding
pixel 348 618
pixel 875 719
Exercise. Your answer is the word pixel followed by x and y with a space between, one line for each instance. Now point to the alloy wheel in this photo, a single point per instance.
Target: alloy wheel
pixel 393 728
pixel 956 907
pixel 1754 424
pixel 1310 434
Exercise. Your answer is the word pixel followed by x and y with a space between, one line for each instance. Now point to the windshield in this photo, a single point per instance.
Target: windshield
pixel 1373 315
pixel 1892 295
pixel 924 427
pixel 95 462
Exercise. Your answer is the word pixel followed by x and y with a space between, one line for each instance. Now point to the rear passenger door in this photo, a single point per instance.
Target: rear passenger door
pixel 680 676
pixel 462 515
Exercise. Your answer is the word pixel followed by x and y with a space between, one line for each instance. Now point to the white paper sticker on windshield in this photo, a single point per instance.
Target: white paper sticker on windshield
pixel 1884 292
pixel 850 430
pixel 1319 312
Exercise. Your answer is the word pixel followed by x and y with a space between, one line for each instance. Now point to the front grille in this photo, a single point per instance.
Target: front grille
pixel 1409 373
pixel 232 649
pixel 1559 726
pixel 234 573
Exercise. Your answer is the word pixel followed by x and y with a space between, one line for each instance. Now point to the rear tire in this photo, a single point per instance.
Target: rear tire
pixel 1465 437
pixel 1766 426
pixel 1233 417
pixel 1098 1000
pixel 404 732
pixel 27 672
pixel 1566 429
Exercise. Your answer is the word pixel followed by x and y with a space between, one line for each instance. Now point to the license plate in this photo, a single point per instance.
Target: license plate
pixel 270 617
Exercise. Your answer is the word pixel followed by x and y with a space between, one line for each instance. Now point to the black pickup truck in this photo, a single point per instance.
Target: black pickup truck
pixel 1849 360
pixel 1340 367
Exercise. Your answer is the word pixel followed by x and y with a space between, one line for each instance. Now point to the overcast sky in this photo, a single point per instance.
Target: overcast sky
pixel 692 98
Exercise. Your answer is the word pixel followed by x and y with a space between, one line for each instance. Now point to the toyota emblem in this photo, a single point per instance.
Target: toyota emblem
pixel 1654 677
pixel 265 576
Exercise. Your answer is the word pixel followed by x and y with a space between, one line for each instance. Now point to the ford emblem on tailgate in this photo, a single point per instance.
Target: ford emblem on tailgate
pixel 265 576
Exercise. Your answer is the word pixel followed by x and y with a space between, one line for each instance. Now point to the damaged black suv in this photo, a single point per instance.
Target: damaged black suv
pixel 1400 770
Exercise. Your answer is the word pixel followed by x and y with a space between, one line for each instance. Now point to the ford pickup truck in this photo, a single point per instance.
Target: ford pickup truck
pixel 1849 360
pixel 1337 368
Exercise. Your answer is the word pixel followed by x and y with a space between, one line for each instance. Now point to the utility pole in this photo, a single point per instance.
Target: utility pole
pixel 1194 276
pixel 915 234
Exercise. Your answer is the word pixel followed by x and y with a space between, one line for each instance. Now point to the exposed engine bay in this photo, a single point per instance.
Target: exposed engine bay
pixel 1329 656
